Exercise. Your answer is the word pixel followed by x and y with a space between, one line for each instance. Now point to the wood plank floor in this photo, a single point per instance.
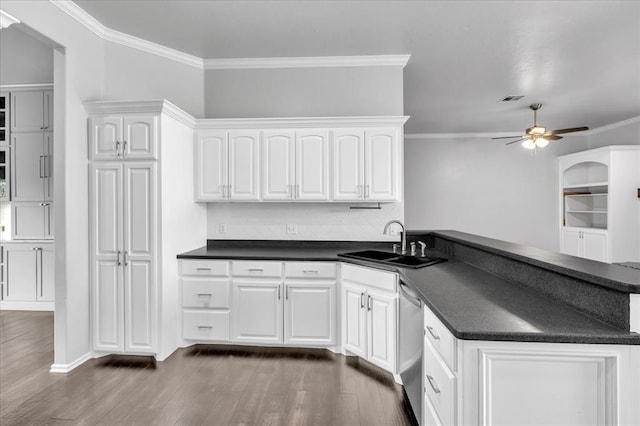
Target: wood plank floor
pixel 200 385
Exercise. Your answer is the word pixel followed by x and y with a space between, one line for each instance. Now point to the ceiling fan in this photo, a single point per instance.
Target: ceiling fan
pixel 538 136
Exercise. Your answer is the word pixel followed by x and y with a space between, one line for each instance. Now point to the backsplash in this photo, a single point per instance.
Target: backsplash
pixel 313 221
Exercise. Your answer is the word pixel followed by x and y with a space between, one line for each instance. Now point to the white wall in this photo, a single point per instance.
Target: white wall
pixel 131 74
pixel 483 187
pixel 23 58
pixel 303 92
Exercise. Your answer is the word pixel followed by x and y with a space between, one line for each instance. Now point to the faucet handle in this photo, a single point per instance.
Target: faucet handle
pixel 413 248
pixel 395 248
pixel 423 246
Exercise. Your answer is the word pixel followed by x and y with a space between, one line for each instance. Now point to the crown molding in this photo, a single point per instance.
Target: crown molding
pixel 107 34
pixel 159 106
pixel 458 135
pixel 613 126
pixel 26 86
pixel 96 27
pixel 7 19
pixel 307 62
pixel 299 122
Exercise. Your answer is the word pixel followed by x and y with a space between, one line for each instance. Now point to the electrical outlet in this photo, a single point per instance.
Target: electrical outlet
pixel 292 229
pixel 222 228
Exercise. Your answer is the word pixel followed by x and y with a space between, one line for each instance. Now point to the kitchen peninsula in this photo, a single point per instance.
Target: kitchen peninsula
pixel 496 315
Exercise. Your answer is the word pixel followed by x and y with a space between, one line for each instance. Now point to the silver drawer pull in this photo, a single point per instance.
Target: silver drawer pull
pixel 256 269
pixel 432 382
pixel 209 327
pixel 310 271
pixel 433 333
pixel 204 295
pixel 203 269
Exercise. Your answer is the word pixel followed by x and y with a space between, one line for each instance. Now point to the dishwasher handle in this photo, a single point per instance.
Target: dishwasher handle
pixel 410 295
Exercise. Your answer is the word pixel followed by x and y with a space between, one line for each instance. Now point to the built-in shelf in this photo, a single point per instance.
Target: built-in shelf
pixel 588 211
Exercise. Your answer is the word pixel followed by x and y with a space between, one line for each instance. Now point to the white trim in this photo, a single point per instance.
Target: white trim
pixel 298 122
pixel 612 126
pixel 26 86
pixel 307 62
pixel 157 106
pixel 7 19
pixel 459 135
pixel 96 27
pixel 65 368
pixel 9 305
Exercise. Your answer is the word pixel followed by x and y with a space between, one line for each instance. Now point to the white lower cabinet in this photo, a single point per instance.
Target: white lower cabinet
pixel 257 311
pixel 517 383
pixel 587 243
pixel 369 315
pixel 28 276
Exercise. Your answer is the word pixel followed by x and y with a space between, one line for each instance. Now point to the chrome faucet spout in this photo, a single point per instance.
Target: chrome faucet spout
pixel 403 234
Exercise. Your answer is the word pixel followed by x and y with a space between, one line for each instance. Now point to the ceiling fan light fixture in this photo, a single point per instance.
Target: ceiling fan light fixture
pixel 541 142
pixel 529 144
pixel 536 130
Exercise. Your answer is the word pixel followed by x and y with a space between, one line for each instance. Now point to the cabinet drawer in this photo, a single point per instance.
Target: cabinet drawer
pixel 369 277
pixel 257 269
pixel 441 338
pixel 440 385
pixel 429 416
pixel 310 270
pixel 205 325
pixel 205 268
pixel 207 293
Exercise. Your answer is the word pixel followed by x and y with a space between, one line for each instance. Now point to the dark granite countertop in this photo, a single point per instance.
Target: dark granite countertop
pixel 472 303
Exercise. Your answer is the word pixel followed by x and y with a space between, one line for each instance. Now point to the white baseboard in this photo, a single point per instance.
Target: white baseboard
pixel 65 368
pixel 398 379
pixel 7 305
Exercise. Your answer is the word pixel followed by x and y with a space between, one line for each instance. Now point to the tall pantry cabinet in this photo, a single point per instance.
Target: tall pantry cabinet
pixel 139 185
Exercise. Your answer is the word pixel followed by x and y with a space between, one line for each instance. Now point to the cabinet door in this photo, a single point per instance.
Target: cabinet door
pixel 381 318
pixel 47 114
pixel 348 164
pixel 278 165
pixel 27 111
pixel 140 138
pixel 382 164
pixel 257 312
pixel 309 314
pixel 27 167
pixel 46 275
pixel 211 165
pixel 595 246
pixel 354 320
pixel 105 138
pixel 47 166
pixel 312 165
pixel 28 221
pixel 244 165
pixel 20 273
pixel 106 256
pixel 571 242
pixel 139 256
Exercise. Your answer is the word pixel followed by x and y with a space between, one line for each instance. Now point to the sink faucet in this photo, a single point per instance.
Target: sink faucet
pixel 403 234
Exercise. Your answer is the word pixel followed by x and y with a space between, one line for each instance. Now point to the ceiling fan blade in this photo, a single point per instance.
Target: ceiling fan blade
pixel 518 140
pixel 570 130
pixel 508 137
pixel 550 137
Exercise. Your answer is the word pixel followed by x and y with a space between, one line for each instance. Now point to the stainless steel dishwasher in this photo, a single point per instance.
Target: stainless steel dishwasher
pixel 411 340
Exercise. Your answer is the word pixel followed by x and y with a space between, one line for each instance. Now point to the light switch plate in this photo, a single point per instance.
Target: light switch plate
pixel 292 229
pixel 222 228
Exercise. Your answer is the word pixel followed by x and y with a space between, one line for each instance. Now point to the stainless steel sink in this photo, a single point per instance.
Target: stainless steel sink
pixel 389 258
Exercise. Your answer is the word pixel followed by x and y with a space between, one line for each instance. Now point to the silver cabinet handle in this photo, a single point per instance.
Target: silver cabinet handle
pixel 118 258
pixel 126 258
pixel 286 292
pixel 368 303
pixel 203 269
pixel 124 148
pixel 309 271
pixel 256 270
pixel 205 326
pixel 432 382
pixel 117 148
pixel 433 333
pixel 41 167
pixel 278 292
pixel 204 294
pixel 361 300
pixel 41 277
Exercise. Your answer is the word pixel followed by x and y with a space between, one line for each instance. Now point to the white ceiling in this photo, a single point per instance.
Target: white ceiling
pixel 581 59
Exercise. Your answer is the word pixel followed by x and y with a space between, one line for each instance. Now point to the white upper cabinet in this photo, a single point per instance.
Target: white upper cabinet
pixel 227 165
pixel 312 165
pixel 305 160
pixel 367 164
pixel 278 165
pixel 348 164
pixel 244 165
pixel 32 111
pixel 123 138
